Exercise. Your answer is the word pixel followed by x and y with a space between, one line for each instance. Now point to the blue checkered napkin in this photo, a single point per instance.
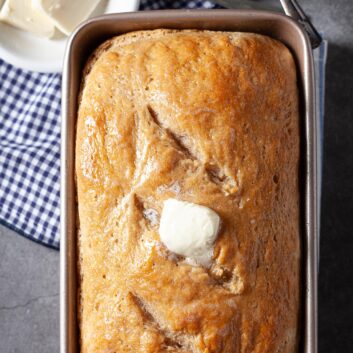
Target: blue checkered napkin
pixel 30 153
pixel 30 142
pixel 176 4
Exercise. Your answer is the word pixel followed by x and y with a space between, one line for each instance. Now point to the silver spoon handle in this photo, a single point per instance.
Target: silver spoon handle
pixel 293 9
pixel 290 7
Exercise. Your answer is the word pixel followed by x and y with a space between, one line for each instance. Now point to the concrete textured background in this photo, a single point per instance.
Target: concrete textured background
pixel 29 273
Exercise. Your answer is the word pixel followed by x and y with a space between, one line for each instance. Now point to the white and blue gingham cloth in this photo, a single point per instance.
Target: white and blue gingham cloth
pixel 30 142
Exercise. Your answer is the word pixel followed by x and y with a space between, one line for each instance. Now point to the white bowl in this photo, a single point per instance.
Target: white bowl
pixel 33 53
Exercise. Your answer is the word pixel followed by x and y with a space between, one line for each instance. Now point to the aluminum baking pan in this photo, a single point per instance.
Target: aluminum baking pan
pixel 92 33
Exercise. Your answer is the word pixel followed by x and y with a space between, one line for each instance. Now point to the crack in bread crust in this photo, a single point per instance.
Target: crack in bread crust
pixel 170 338
pixel 182 142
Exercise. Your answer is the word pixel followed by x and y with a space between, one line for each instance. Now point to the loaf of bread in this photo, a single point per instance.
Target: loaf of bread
pixel 206 117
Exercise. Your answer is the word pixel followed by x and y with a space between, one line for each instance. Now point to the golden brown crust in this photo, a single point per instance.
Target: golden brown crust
pixel 206 117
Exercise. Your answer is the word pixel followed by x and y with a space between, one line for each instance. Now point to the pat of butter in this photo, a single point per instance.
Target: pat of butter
pixel 23 14
pixel 68 14
pixel 189 230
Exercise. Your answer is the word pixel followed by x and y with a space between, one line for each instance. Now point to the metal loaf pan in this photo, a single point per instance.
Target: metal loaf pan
pixel 94 32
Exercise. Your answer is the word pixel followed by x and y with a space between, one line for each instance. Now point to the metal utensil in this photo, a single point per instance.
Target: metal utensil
pixel 290 7
pixel 293 9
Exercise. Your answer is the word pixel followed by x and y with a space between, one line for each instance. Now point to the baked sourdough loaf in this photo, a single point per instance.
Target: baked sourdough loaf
pixel 209 118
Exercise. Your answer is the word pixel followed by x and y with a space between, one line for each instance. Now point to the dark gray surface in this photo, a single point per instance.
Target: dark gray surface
pixel 29 296
pixel 29 273
pixel 335 18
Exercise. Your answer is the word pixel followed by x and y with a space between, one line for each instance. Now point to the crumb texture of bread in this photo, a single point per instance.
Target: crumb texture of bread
pixel 205 117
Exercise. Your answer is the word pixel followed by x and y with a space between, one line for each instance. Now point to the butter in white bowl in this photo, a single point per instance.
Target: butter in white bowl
pixel 44 17
pixel 67 14
pixel 189 230
pixel 25 15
